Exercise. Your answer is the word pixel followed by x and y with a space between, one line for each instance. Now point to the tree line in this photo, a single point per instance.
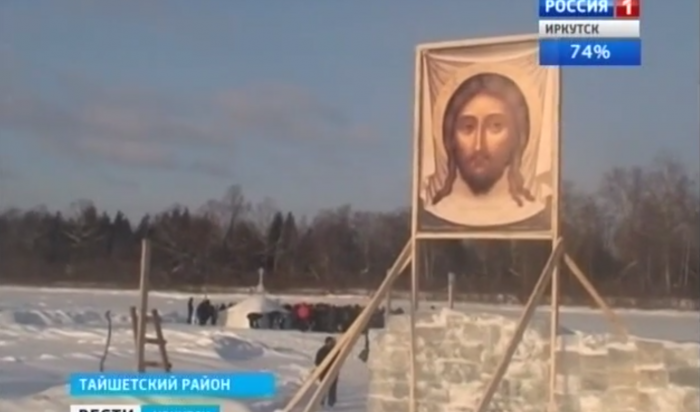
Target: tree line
pixel 636 235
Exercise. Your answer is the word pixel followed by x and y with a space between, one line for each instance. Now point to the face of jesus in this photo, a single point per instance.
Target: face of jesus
pixel 484 141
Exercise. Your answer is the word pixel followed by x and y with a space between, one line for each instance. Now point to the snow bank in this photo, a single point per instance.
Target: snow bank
pixel 456 355
pixel 237 315
pixel 85 317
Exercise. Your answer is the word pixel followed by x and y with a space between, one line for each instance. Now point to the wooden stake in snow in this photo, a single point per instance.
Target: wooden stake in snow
pixel 103 359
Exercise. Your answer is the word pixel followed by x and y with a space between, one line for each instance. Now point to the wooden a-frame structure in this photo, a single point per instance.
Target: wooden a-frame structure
pixel 550 274
pixel 345 344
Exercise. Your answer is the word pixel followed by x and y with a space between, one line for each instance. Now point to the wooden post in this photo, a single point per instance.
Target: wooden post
pixel 108 341
pixel 417 150
pixel 143 308
pixel 555 292
pixel 387 306
pixel 412 401
pixel 553 335
pixel 530 308
pixel 593 293
pixel 451 290
pixel 261 281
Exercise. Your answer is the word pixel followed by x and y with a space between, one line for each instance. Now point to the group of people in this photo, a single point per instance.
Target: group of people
pixel 313 317
pixel 303 316
pixel 206 312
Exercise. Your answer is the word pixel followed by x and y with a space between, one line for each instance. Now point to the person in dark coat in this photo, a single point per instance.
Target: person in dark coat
pixel 213 315
pixel 190 310
pixel 254 320
pixel 364 354
pixel 321 355
pixel 275 319
pixel 303 313
pixel 203 312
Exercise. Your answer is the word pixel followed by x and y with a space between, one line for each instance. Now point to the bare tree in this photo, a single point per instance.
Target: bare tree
pixel 636 235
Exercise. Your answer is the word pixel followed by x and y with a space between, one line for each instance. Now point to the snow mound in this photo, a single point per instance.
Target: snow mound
pixel 237 315
pixel 233 348
pixel 86 317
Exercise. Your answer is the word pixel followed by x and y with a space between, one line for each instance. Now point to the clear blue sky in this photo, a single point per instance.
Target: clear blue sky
pixel 139 105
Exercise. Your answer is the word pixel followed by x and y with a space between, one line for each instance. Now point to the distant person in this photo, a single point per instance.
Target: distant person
pixel 275 319
pixel 203 312
pixel 321 355
pixel 254 320
pixel 213 315
pixel 190 310
pixel 346 319
pixel 329 319
pixel 303 312
pixel 364 354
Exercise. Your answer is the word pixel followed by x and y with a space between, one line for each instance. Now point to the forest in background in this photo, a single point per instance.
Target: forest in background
pixel 636 235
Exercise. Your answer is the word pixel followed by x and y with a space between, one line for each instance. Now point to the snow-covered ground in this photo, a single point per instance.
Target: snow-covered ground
pixel 46 334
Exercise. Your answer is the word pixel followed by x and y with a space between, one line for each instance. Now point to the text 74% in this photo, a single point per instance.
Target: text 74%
pixel 598 51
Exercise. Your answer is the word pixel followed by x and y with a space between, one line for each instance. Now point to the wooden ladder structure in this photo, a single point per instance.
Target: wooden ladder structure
pixel 158 340
pixel 140 319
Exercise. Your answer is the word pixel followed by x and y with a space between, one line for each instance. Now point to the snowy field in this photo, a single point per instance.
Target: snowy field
pixel 45 334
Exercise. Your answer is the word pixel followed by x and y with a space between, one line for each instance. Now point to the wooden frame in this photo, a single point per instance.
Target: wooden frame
pixel 555 284
pixel 538 217
pixel 550 273
pixel 552 234
pixel 140 318
pixel 553 264
pixel 339 353
pixel 144 288
pixel 486 41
